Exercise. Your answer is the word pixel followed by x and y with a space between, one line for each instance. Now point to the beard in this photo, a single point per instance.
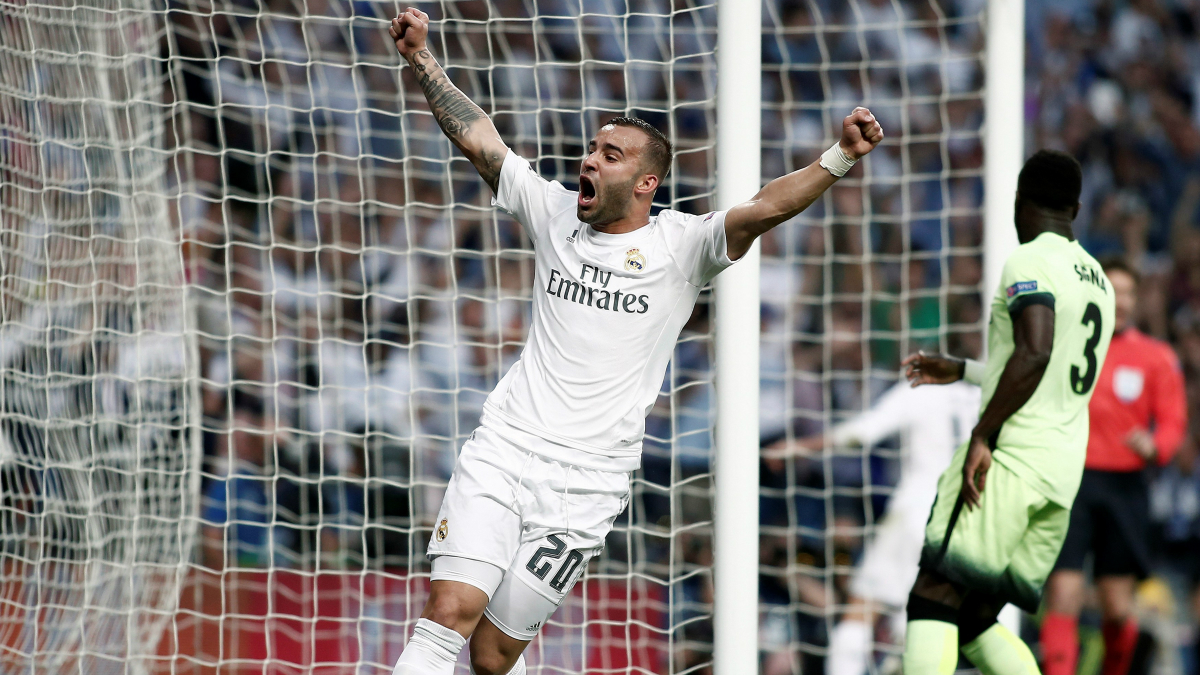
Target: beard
pixel 612 203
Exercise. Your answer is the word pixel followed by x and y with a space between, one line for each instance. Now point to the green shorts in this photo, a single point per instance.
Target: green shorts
pixel 1006 547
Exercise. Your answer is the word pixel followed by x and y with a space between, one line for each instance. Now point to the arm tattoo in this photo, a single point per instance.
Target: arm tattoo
pixel 455 113
pixel 451 108
pixel 489 169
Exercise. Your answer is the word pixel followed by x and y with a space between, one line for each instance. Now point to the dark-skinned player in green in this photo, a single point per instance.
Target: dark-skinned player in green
pixel 1004 503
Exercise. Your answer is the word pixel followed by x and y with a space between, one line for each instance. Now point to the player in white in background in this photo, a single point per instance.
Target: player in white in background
pixel 538 485
pixel 932 423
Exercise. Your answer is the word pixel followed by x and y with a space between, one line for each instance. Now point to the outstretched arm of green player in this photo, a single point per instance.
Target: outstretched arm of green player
pixel 1033 338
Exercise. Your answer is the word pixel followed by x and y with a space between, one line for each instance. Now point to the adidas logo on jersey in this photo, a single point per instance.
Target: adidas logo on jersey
pixel 533 628
pixel 571 239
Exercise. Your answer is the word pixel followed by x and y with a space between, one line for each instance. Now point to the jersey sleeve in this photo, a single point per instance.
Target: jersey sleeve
pixel 1025 282
pixel 699 247
pixel 1170 406
pixel 529 198
pixel 888 416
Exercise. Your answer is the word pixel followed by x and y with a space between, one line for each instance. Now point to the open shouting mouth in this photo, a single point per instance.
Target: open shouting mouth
pixel 587 192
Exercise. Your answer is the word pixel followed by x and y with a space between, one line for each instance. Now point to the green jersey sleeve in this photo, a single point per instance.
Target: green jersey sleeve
pixel 1026 280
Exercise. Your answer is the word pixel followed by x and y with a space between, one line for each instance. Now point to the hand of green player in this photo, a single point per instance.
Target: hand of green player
pixel 979 460
pixel 922 368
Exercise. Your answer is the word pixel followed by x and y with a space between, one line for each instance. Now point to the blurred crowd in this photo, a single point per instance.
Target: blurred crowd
pixel 357 297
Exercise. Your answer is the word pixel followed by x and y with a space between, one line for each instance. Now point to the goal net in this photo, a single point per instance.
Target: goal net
pixel 98 448
pixel 354 298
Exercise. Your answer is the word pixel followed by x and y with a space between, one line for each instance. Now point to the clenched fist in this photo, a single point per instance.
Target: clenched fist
pixel 860 133
pixel 410 30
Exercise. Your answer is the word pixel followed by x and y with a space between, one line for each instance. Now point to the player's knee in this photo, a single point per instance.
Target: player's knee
pixel 448 615
pixel 487 660
pixel 1116 609
pixel 1064 592
pixel 454 610
pixel 1116 597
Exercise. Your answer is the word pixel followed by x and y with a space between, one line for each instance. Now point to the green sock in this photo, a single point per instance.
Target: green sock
pixel 930 648
pixel 998 652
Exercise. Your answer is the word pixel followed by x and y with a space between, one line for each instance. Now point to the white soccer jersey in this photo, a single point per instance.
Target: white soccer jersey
pixel 607 310
pixel 932 421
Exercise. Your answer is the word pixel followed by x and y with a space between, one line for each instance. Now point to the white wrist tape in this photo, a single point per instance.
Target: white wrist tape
pixel 837 162
pixel 973 371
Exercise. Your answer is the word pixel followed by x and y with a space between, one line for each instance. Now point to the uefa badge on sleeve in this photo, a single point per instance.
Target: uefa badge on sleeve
pixel 634 261
pixel 1021 287
pixel 443 530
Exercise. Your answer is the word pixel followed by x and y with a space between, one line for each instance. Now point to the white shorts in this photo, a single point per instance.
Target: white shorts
pixel 890 563
pixel 538 520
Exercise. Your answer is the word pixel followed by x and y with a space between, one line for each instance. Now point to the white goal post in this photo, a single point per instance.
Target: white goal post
pixel 735 502
pixel 1004 134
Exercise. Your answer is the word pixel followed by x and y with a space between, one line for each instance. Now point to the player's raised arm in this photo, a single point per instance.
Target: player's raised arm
pixel 463 122
pixel 788 195
pixel 1033 339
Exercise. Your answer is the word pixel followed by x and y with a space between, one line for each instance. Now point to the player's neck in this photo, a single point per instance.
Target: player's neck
pixel 1030 231
pixel 1034 220
pixel 628 223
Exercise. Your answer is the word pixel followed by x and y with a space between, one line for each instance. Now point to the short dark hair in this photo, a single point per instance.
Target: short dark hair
pixel 1051 179
pixel 659 151
pixel 1119 264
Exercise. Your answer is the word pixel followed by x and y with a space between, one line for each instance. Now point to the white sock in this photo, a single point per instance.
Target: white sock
pixel 433 650
pixel 849 649
pixel 517 669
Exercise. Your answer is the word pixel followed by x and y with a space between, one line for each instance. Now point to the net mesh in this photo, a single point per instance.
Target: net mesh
pixel 97 451
pixel 356 297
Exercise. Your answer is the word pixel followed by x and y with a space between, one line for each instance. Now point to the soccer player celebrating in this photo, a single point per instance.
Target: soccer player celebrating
pixel 1003 505
pixel 1138 416
pixel 537 486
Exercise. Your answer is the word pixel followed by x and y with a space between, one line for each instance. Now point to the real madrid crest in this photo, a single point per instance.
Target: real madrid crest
pixel 443 530
pixel 634 260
